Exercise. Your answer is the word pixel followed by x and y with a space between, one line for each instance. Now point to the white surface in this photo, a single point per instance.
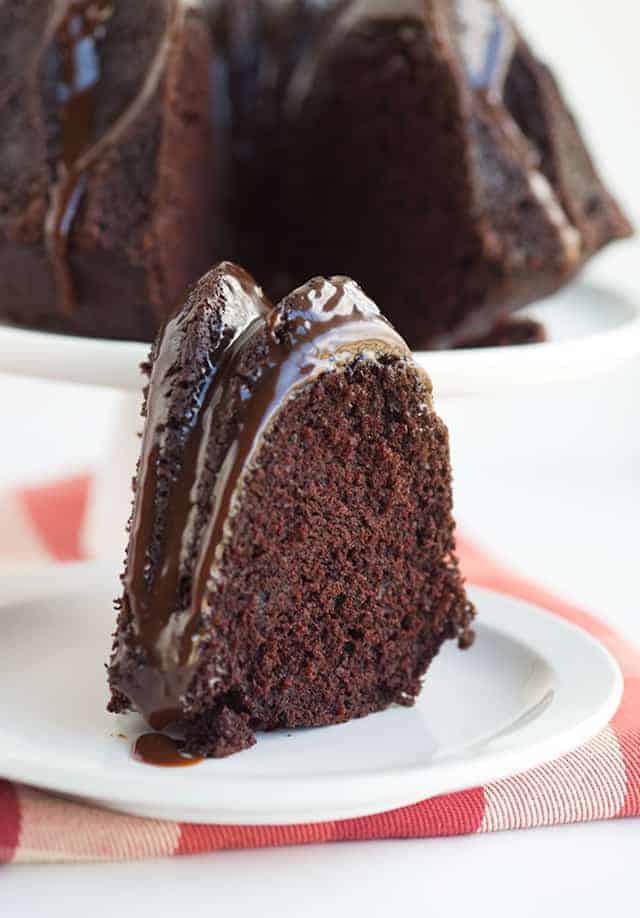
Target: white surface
pixel 515 706
pixel 550 483
pixel 110 496
pixel 578 870
pixel 592 328
pixel 66 358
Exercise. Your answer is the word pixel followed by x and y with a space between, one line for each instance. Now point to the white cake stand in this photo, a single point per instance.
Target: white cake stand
pixel 592 328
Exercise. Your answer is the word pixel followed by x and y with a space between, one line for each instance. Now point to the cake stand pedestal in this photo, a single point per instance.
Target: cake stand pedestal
pixel 593 328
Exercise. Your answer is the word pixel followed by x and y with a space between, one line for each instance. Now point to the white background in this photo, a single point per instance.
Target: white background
pixel 548 481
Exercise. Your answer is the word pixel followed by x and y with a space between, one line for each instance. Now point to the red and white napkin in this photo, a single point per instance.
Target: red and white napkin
pixel 601 780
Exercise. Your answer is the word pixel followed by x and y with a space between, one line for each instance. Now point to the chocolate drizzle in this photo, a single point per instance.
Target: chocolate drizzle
pixel 321 327
pixel 152 591
pixel 78 28
pixel 162 751
pixel 77 37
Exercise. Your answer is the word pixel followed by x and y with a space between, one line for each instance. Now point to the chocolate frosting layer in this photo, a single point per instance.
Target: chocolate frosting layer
pixel 77 28
pixel 321 327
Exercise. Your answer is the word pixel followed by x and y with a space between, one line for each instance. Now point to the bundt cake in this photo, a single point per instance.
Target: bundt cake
pixel 291 559
pixel 418 145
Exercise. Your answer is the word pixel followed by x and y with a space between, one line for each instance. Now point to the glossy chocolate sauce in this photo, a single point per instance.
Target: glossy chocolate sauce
pixel 321 327
pixel 78 36
pixel 152 592
pixel 77 32
pixel 162 751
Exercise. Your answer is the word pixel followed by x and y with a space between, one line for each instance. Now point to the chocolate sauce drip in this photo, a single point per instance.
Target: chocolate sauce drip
pixel 78 36
pixel 78 32
pixel 152 590
pixel 163 751
pixel 323 326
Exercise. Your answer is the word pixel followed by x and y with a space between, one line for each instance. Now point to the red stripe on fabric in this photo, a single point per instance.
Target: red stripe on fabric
pixel 626 725
pixel 196 839
pixel 450 814
pixel 9 821
pixel 57 513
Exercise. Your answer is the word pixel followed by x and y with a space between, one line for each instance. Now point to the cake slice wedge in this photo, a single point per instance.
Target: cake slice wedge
pixel 291 557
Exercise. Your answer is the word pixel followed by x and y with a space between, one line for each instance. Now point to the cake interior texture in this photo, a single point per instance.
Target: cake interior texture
pixel 322 589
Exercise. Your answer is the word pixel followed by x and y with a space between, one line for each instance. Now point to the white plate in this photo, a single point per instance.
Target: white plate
pixel 592 330
pixel 531 688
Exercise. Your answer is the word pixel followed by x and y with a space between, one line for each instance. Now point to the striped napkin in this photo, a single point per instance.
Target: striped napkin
pixel 601 780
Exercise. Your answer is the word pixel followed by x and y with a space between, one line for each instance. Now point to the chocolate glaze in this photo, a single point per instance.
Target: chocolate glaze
pixel 322 326
pixel 78 35
pixel 161 750
pixel 78 28
pixel 153 596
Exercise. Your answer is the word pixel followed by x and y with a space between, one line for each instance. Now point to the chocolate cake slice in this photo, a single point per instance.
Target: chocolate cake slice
pixel 291 559
pixel 105 162
pixel 418 146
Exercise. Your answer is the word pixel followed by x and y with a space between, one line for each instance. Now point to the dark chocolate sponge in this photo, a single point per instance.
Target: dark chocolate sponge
pixel 105 162
pixel 417 145
pixel 291 560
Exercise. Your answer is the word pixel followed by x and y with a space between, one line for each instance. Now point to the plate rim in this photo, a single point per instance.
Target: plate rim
pixel 330 793
pixel 93 361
